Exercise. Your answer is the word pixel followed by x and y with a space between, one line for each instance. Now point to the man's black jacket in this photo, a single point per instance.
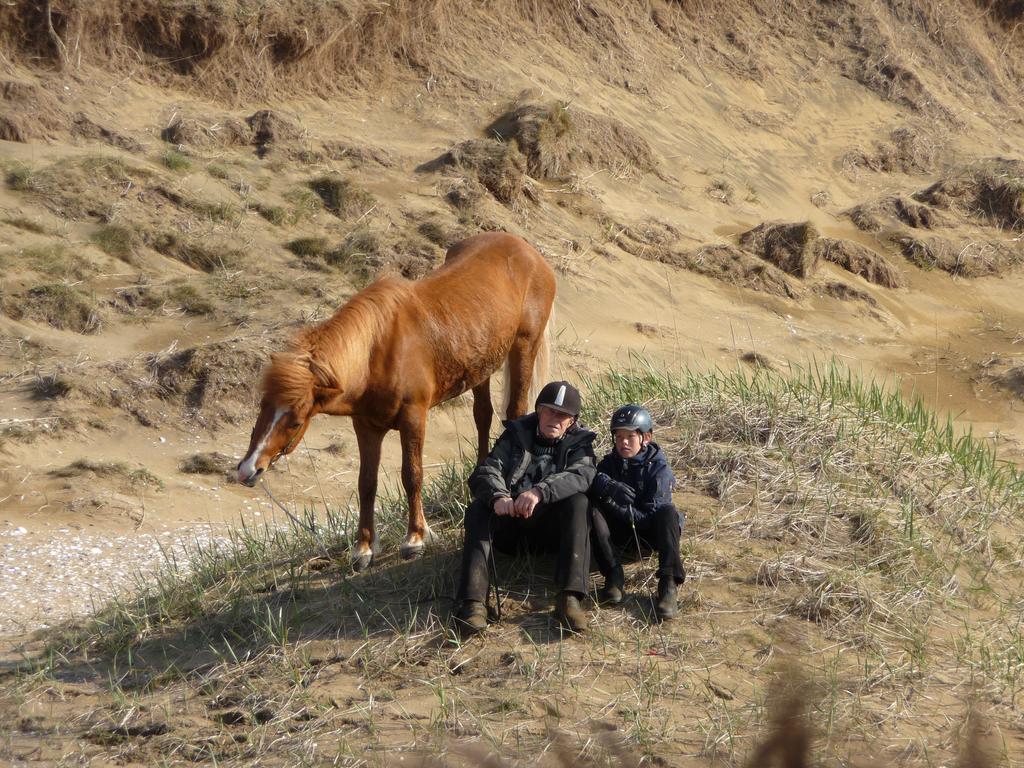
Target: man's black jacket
pixel 516 451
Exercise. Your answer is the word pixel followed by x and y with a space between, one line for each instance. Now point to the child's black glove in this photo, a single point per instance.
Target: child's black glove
pixel 620 494
pixel 606 489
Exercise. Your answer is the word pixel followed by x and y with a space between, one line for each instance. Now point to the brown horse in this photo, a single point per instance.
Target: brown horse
pixel 398 348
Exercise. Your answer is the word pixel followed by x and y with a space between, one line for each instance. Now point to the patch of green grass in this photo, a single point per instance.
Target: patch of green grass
pixel 118 241
pixel 341 196
pixel 190 299
pixel 305 203
pixel 308 247
pixel 78 187
pixel 175 160
pixel 275 214
pixel 59 305
pixel 218 171
pixel 206 256
pixel 56 261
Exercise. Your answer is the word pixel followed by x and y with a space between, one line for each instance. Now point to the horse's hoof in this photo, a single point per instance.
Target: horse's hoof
pixel 361 562
pixel 411 551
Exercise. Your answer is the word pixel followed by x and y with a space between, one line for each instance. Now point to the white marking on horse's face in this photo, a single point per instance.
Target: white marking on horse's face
pixel 247 467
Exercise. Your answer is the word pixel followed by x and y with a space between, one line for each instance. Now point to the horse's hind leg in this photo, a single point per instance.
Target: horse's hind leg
pixel 483 411
pixel 413 427
pixel 369 439
pixel 520 371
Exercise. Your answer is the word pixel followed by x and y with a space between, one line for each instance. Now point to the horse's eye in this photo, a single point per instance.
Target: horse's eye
pixel 295 425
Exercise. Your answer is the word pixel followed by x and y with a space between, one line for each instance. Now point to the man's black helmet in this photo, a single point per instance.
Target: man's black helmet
pixel 632 417
pixel 560 395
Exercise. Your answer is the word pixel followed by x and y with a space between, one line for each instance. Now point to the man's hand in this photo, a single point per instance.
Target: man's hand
pixel 526 501
pixel 504 506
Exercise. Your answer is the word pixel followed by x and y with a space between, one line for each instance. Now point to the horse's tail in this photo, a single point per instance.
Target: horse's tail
pixel 541 367
pixel 542 362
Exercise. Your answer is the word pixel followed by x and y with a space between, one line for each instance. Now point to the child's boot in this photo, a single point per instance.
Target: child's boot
pixel 614 584
pixel 665 607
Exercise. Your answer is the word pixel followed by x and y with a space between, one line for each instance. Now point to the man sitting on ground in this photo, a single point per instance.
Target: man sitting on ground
pixel 530 493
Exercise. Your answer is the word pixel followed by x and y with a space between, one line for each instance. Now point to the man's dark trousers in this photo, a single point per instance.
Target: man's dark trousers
pixel 660 532
pixel 561 526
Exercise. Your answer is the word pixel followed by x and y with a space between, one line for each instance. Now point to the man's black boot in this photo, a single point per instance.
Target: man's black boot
pixel 614 584
pixel 470 619
pixel 666 607
pixel 570 613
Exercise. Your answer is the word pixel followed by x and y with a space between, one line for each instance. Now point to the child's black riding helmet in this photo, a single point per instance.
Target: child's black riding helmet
pixel 632 417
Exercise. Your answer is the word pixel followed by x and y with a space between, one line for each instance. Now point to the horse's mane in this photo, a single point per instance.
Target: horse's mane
pixel 336 352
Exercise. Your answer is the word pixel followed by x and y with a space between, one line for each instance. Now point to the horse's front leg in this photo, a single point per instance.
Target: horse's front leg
pixel 413 427
pixel 369 439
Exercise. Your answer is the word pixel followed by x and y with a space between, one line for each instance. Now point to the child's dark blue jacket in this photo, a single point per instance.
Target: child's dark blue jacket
pixel 647 473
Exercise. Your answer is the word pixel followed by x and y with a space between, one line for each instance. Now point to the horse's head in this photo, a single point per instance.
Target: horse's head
pixel 292 395
pixel 278 430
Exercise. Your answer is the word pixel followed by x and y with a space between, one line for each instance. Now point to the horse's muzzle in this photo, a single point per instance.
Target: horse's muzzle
pixel 251 480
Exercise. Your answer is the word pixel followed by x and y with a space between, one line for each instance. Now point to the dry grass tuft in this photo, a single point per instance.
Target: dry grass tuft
pixel 29 112
pixel 874 216
pixel 208 463
pixel 786 246
pixel 859 260
pixel 493 165
pixel 83 127
pixel 993 191
pixel 738 267
pixel 205 254
pixel 118 241
pixel 108 469
pixel 967 258
pixel 207 132
pixel 59 305
pixel 906 151
pixel 557 140
pixel 80 187
pixel 341 196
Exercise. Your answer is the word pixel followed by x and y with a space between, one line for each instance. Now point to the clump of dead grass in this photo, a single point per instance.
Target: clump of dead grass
pixel 906 151
pixel 29 112
pixel 786 246
pixel 992 191
pixel 874 216
pixel 494 165
pixel 60 305
pixel 341 196
pixel 966 258
pixel 859 260
pixel 79 187
pixel 206 132
pixel 139 476
pixel 119 241
pixel 206 463
pixel 56 260
pixel 202 253
pixel 557 139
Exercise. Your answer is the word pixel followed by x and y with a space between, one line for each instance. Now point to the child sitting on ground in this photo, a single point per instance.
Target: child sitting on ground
pixel 632 504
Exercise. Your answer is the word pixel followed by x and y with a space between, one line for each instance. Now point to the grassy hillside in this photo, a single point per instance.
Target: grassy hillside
pixel 835 534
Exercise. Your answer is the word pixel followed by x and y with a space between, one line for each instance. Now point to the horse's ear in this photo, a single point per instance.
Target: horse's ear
pixel 323 396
